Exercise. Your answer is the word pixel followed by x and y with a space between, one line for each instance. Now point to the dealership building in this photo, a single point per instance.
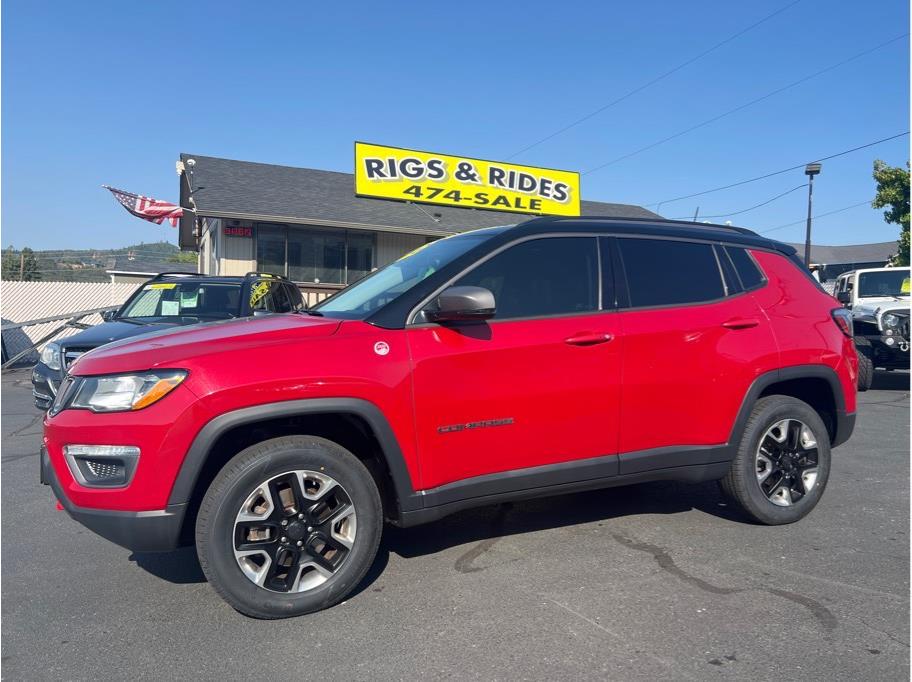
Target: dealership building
pixel 311 226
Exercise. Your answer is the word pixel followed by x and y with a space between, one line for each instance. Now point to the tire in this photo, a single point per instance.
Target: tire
pixel 742 484
pixel 328 539
pixel 865 363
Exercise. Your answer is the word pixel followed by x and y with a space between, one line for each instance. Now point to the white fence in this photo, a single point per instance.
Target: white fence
pixel 23 301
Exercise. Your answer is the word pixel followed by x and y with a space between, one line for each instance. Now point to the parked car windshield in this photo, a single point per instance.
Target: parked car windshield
pixel 886 283
pixel 168 300
pixel 384 285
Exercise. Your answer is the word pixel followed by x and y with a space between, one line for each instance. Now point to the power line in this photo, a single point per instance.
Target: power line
pixel 768 201
pixel 822 215
pixel 653 81
pixel 746 104
pixel 778 172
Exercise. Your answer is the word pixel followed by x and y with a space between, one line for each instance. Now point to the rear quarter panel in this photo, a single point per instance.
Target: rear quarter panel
pixel 800 317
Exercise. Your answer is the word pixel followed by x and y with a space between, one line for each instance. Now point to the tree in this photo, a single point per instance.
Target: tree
pixel 28 266
pixel 10 264
pixel 183 257
pixel 21 266
pixel 893 193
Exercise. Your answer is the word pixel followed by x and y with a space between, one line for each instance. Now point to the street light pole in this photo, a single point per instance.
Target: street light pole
pixel 810 170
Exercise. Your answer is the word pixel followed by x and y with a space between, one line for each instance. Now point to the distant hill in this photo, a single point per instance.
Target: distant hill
pixel 89 265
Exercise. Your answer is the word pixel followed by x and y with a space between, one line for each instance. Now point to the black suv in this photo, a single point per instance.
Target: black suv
pixel 167 300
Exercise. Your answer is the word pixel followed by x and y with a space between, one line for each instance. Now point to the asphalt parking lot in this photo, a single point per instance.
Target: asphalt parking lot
pixel 652 581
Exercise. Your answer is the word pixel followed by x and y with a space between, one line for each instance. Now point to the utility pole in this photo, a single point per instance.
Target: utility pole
pixel 810 170
pixel 21 266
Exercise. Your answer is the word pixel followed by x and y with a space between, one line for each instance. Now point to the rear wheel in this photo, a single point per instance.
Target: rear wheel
pixel 783 462
pixel 865 363
pixel 289 526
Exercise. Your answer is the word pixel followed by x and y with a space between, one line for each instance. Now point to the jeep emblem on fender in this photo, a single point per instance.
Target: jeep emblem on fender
pixel 381 348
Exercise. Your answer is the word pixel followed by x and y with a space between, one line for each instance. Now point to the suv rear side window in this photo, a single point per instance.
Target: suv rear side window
pixel 270 296
pixel 745 266
pixel 548 276
pixel 667 272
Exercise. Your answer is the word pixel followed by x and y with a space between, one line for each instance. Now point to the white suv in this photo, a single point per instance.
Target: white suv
pixel 879 301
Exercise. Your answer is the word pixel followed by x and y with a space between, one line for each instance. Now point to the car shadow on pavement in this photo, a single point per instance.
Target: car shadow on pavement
pixel 489 524
pixel 180 566
pixel 486 523
pixel 890 381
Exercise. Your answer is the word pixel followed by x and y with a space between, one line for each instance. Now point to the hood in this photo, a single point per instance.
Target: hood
pixel 180 347
pixel 110 331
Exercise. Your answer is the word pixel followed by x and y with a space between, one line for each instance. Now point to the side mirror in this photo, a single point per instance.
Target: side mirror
pixel 108 315
pixel 463 303
pixel 844 297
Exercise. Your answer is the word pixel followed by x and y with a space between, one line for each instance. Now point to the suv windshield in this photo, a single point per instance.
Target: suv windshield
pixel 886 283
pixel 384 285
pixel 167 300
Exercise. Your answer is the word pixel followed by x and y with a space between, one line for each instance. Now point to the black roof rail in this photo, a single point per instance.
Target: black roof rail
pixel 177 274
pixel 656 220
pixel 268 275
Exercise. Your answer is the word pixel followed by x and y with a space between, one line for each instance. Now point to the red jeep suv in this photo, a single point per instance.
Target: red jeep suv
pixel 505 363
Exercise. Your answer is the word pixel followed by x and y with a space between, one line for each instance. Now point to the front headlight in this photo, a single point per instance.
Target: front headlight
pixel 890 320
pixel 126 391
pixel 50 355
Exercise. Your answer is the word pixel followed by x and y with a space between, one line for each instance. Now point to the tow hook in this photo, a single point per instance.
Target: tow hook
pixel 904 345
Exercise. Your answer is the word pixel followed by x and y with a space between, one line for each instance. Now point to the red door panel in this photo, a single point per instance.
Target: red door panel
pixel 514 394
pixel 687 369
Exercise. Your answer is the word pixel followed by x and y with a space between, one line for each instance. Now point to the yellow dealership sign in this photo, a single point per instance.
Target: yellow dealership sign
pixel 423 177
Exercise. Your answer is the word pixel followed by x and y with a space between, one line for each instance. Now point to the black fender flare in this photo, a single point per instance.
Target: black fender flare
pixel 845 423
pixel 202 444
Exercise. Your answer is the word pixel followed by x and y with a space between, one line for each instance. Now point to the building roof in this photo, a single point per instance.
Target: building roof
pixel 880 252
pixel 262 191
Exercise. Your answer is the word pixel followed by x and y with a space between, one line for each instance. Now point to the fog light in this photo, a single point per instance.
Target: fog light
pixel 889 341
pixel 888 332
pixel 102 466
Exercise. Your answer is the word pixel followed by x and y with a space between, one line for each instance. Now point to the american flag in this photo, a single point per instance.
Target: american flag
pixel 153 210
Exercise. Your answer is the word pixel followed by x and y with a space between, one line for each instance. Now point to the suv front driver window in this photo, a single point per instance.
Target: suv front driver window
pixel 548 276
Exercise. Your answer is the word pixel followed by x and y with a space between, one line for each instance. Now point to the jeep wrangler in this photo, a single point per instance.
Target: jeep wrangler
pixel 879 301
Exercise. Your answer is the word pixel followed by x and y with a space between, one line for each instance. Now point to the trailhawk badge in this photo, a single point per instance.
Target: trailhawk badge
pixel 381 348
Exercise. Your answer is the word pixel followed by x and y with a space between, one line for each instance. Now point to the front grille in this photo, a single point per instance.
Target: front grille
pixel 105 470
pixel 63 395
pixel 70 355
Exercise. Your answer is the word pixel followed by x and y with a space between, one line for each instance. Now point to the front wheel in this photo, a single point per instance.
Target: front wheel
pixel 783 462
pixel 865 363
pixel 289 526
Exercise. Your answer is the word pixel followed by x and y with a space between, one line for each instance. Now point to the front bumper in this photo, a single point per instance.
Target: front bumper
pixel 45 382
pixel 139 531
pixel 889 351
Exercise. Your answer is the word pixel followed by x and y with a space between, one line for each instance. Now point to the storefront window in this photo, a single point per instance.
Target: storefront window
pixel 314 255
pixel 360 255
pixel 271 248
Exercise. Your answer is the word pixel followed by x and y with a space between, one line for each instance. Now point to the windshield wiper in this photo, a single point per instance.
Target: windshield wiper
pixel 313 313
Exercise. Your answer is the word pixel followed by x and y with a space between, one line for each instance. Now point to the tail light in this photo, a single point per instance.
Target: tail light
pixel 843 320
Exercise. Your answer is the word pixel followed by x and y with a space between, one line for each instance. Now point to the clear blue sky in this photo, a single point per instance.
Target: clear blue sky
pixel 105 92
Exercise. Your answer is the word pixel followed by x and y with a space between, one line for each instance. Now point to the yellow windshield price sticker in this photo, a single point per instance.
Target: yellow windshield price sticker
pixel 904 287
pixel 162 285
pixel 429 178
